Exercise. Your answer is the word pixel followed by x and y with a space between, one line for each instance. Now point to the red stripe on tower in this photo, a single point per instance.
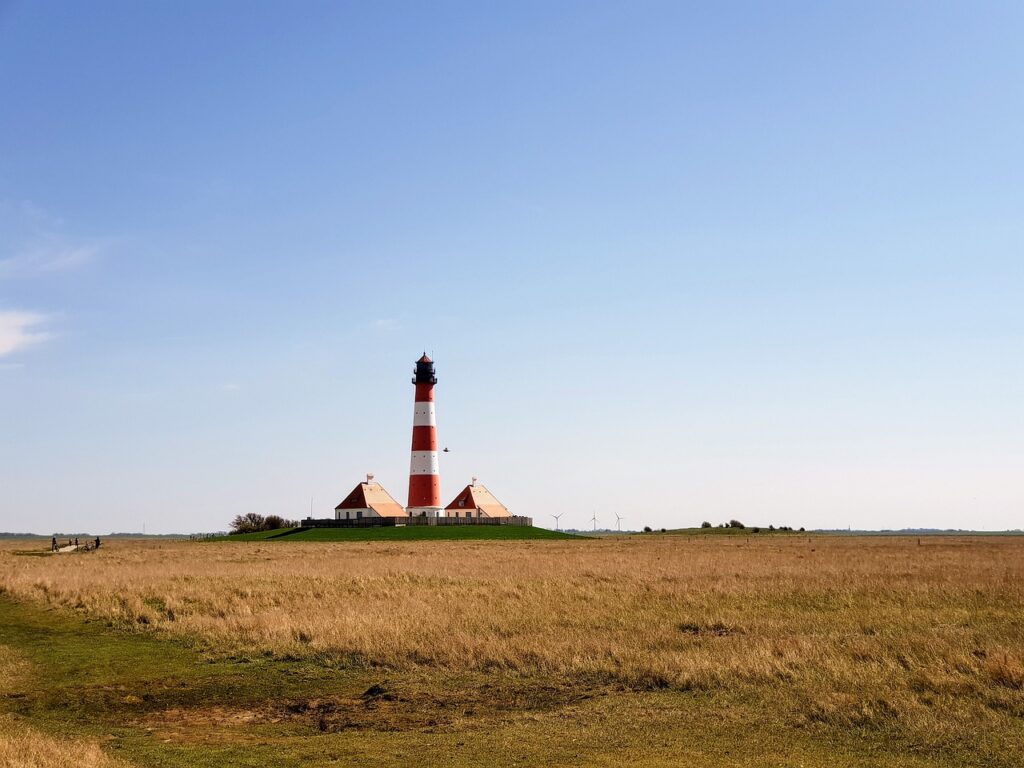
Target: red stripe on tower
pixel 424 472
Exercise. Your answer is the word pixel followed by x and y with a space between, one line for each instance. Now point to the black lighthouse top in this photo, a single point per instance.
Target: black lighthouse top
pixel 425 371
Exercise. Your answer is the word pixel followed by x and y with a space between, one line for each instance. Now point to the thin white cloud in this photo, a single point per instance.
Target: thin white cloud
pixel 230 388
pixel 37 244
pixel 48 256
pixel 18 330
pixel 143 395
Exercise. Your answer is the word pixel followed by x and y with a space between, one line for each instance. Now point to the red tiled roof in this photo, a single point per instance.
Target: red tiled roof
pixel 373 496
pixel 478 497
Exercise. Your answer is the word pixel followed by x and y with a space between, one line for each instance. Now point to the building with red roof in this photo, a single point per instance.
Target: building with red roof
pixel 476 501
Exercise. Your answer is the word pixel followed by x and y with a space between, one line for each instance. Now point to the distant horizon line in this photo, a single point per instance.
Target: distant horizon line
pixel 843 531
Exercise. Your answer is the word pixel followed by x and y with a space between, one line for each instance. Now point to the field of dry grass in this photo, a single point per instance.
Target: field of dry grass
pixel 920 643
pixel 22 746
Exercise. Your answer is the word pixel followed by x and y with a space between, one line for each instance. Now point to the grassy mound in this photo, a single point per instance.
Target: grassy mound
pixel 261 536
pixel 405 533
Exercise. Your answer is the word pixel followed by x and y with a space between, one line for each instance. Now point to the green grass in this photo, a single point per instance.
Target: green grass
pixel 261 536
pixel 719 531
pixel 155 701
pixel 404 533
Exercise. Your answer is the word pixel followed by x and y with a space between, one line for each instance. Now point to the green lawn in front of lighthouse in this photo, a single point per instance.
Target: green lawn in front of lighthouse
pixel 406 533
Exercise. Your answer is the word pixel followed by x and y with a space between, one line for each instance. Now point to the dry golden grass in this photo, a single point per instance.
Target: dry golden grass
pixel 924 642
pixel 25 747
pixel 14 668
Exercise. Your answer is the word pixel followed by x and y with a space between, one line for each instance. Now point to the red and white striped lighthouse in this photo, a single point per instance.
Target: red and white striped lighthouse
pixel 424 472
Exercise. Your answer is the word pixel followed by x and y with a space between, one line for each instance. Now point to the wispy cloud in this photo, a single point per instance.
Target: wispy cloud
pixel 230 388
pixel 38 244
pixel 142 396
pixel 48 255
pixel 19 330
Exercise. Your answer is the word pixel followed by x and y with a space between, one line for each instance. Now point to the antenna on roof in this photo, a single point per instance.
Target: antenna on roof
pixel 474 482
pixel 556 519
pixel 369 477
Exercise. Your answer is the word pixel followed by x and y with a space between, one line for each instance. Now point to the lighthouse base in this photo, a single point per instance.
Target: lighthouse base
pixel 425 511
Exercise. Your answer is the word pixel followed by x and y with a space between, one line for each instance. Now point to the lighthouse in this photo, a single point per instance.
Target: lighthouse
pixel 424 472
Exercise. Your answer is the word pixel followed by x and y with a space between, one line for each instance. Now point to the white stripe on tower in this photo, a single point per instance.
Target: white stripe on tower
pixel 424 463
pixel 423 415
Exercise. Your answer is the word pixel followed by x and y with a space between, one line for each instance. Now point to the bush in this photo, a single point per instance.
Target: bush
pixel 254 523
pixel 647 529
pixel 273 522
pixel 705 524
pixel 736 524
pixel 248 523
pixel 755 529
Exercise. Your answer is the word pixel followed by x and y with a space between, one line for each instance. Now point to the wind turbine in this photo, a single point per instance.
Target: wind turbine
pixel 618 522
pixel 594 519
pixel 556 519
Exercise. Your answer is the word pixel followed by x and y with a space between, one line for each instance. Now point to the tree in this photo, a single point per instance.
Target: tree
pixel 736 524
pixel 248 523
pixel 253 523
pixel 705 524
pixel 647 529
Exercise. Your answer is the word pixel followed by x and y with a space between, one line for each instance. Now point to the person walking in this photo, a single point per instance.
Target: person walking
pixel 53 544
pixel 97 542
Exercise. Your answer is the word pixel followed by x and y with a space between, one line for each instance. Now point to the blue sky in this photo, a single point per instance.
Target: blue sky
pixel 675 261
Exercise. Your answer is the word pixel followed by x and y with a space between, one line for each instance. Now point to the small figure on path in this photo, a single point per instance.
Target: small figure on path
pixel 97 542
pixel 76 541
pixel 53 544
